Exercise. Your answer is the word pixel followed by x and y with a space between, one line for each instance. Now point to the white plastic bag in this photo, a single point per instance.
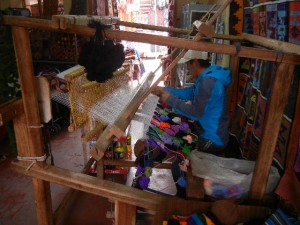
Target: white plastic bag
pixel 229 171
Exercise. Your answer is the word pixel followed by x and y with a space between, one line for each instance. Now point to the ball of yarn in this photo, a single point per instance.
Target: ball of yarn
pixel 144 182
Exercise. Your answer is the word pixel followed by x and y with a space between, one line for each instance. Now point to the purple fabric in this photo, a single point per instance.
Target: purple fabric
pixel 167 140
pixel 175 128
pixel 184 126
pixel 144 182
pixel 170 132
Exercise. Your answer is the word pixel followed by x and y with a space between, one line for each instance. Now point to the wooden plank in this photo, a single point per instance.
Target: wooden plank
pixel 125 214
pixel 93 185
pixel 42 196
pixel 128 163
pixel 44 98
pixel 248 52
pixel 21 134
pixel 194 189
pixel 277 103
pixel 65 205
pixel 286 47
pixel 156 28
pixel 28 22
pixel 33 122
pixel 10 110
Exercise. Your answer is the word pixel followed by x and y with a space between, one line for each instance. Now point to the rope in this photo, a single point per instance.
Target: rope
pixel 238 48
pixel 34 160
pixel 32 126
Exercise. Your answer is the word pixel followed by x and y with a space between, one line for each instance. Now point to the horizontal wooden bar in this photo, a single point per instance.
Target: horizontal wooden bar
pixel 153 27
pixel 128 163
pixel 10 109
pixel 28 22
pixel 93 185
pixel 248 52
pixel 286 47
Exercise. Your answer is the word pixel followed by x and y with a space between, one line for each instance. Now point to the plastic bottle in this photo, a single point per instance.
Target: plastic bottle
pixel 128 145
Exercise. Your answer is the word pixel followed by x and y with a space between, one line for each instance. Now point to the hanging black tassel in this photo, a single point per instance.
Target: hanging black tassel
pixel 101 57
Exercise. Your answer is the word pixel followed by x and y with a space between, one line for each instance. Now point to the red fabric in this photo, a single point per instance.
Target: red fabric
pixel 289 188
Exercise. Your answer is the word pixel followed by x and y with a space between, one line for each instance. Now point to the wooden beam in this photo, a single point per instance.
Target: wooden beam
pixel 93 185
pixel 128 163
pixel 294 135
pixel 277 103
pixel 286 47
pixel 65 205
pixel 33 122
pixel 153 27
pixel 125 214
pixel 10 110
pixel 248 52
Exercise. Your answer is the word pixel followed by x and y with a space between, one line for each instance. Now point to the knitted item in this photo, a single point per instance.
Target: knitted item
pixel 278 218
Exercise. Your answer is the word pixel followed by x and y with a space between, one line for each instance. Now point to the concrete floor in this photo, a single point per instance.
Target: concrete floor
pixel 17 200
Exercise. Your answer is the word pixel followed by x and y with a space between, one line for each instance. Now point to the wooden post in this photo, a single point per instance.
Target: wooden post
pixel 33 122
pixel 125 214
pixel 234 67
pixel 294 135
pixel 278 100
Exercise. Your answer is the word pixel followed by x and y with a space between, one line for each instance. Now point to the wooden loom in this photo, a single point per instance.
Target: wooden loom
pixel 29 138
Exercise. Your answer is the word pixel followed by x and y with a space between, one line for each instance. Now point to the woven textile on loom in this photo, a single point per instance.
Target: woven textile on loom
pixel 83 95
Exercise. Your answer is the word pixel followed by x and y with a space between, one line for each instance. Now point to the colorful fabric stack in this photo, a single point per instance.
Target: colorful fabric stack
pixel 271 18
pixel 254 90
pixel 207 218
pixel 169 133
pixel 262 20
pixel 282 21
pixel 279 217
pixel 248 24
pixel 294 22
pixel 255 20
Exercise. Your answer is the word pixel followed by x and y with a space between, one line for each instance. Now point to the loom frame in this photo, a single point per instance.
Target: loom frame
pixel 30 143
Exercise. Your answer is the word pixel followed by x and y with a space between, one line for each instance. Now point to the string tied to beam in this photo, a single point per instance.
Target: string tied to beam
pixel 34 127
pixel 237 48
pixel 33 159
pixel 277 56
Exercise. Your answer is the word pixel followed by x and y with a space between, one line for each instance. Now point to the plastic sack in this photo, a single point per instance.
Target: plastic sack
pixel 229 172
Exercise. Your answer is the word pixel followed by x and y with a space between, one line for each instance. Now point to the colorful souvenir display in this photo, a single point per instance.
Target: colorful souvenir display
pixel 168 134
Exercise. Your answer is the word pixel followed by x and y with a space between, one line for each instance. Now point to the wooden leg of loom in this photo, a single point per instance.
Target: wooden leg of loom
pixel 195 189
pixel 125 214
pixel 100 168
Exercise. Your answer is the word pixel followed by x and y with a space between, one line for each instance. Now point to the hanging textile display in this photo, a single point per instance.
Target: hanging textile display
pixel 236 17
pixel 271 21
pixel 294 25
pixel 50 7
pixel 78 7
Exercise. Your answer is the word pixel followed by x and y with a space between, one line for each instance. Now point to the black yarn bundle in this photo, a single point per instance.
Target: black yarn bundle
pixel 101 57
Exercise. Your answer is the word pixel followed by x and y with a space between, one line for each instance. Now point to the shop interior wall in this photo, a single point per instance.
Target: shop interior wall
pixel 180 3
